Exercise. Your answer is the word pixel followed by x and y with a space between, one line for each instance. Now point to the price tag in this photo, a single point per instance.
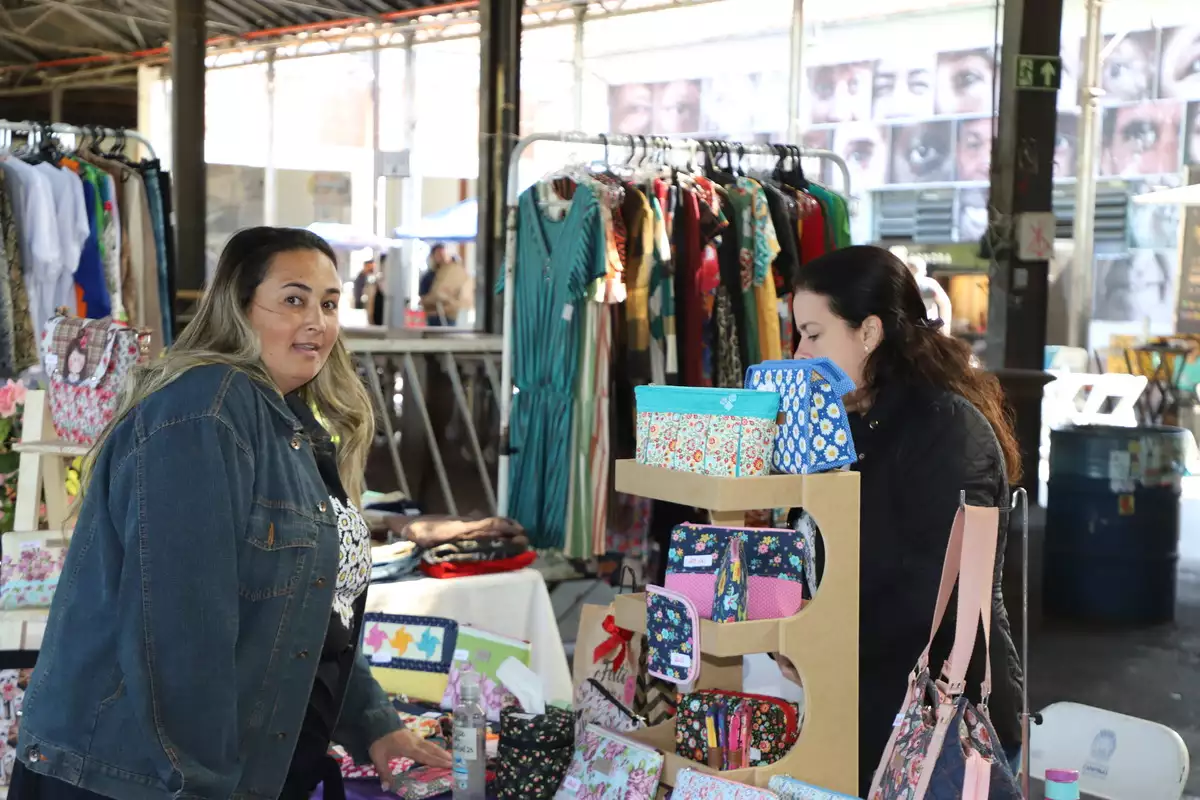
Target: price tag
pixel 755 754
pixel 681 660
pixel 462 655
pixel 571 784
pixel 698 561
pixel 568 312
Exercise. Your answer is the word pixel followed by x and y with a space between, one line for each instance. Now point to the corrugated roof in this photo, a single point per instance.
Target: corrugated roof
pixel 38 31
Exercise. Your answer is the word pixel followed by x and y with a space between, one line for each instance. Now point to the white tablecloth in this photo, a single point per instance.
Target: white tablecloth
pixel 515 604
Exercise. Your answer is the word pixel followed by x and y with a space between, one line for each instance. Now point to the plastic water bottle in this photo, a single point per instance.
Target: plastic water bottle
pixel 470 737
pixel 1062 784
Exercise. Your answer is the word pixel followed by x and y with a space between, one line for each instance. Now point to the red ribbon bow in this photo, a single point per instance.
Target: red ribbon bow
pixel 617 640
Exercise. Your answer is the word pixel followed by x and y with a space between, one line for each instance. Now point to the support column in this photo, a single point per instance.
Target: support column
pixel 56 104
pixel 499 127
pixel 270 182
pixel 187 132
pixel 795 72
pixel 577 63
pixel 1022 180
pixel 1079 296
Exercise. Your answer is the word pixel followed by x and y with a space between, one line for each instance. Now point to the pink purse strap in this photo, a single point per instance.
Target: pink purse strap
pixel 970 563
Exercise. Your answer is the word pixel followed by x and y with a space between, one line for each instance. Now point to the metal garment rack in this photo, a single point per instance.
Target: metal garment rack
pixel 59 127
pixel 693 147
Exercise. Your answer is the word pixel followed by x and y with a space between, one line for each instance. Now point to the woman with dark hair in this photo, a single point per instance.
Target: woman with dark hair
pixel 203 642
pixel 927 425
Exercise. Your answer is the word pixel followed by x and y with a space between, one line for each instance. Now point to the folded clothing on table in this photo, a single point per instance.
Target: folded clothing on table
pixel 485 548
pixel 457 570
pixel 391 562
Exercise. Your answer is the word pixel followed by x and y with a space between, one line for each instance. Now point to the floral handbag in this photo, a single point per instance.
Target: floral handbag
pixel 87 361
pixel 607 765
pixel 943 747
pixel 596 705
pixel 673 636
pixel 789 788
pixel 30 567
pixel 534 753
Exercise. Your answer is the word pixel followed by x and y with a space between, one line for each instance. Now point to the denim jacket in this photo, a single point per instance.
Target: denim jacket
pixel 186 629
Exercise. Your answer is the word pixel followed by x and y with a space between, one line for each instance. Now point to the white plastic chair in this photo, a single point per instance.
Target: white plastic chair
pixel 1118 757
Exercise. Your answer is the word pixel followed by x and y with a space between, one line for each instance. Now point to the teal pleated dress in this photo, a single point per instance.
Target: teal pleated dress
pixel 557 260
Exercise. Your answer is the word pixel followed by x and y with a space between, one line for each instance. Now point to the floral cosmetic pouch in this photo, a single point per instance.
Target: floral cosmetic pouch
pixel 673 636
pixel 774 560
pixel 483 652
pixel 608 765
pixel 732 598
pixel 815 434
pixel 789 788
pixel 30 568
pixel 596 705
pixel 410 655
pixel 534 753
pixel 774 724
pixel 691 784
pixel 723 432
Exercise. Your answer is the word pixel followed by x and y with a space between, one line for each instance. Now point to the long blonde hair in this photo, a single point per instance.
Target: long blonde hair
pixel 220 333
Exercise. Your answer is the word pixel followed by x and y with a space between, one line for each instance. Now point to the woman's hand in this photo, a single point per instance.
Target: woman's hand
pixel 405 744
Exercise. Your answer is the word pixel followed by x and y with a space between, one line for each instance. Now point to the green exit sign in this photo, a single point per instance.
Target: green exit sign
pixel 1039 73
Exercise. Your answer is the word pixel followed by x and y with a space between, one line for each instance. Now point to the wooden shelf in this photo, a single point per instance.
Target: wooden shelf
pixel 729 494
pixel 821 640
pixel 51 449
pixel 721 639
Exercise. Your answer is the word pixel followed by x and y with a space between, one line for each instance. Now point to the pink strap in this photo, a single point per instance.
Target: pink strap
pixel 977 778
pixel 976 571
pixel 970 561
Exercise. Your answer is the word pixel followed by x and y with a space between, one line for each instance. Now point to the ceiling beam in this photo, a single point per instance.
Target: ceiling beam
pixel 80 14
pixel 23 52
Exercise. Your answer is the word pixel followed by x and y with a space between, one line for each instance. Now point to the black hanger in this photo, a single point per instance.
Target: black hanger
pixel 801 181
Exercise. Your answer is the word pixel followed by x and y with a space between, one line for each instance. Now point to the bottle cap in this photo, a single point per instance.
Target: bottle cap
pixel 1062 776
pixel 468 686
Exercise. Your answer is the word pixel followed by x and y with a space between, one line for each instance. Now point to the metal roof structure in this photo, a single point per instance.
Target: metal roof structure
pixel 86 43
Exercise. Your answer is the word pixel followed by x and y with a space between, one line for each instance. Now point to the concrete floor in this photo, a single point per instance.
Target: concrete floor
pixel 1151 673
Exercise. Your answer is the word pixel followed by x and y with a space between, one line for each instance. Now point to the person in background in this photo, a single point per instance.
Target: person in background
pixel 937 303
pixel 445 288
pixel 365 278
pixel 927 425
pixel 206 644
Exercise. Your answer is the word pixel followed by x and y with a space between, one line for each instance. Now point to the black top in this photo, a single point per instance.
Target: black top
pixel 310 763
pixel 918 448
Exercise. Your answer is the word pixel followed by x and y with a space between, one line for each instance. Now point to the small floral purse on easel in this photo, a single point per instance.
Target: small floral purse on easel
pixel 87 362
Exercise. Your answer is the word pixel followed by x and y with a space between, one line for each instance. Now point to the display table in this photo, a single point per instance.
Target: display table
pixel 515 604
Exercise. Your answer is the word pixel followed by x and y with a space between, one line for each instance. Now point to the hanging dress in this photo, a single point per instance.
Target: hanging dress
pixel 557 261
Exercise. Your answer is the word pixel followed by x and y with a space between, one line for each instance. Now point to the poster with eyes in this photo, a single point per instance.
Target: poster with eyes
pixel 666 107
pixel 1191 135
pixel 864 146
pixel 1066 146
pixel 1142 139
pixel 971 217
pixel 965 79
pixel 921 153
pixel 840 92
pixel 739 106
pixel 1127 75
pixel 1179 67
pixel 1138 286
pixel 903 86
pixel 1153 226
pixel 973 149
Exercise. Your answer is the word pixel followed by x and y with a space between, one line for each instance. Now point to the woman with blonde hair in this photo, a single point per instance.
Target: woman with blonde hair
pixel 203 639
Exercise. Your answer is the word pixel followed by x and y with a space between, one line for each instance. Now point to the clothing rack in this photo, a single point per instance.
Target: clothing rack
pixel 59 127
pixel 693 147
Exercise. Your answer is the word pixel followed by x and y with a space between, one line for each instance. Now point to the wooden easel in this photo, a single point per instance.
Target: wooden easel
pixel 821 640
pixel 42 471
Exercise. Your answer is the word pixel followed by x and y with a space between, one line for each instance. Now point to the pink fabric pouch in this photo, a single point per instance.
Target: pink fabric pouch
pixel 775 560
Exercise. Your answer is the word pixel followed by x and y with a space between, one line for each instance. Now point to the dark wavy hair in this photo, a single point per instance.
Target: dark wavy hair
pixel 863 281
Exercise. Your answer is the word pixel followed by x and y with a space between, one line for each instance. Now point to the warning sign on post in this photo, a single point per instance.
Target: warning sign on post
pixel 1035 236
pixel 1039 73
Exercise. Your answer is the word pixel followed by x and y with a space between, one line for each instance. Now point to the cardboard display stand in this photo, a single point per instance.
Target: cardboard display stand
pixel 821 640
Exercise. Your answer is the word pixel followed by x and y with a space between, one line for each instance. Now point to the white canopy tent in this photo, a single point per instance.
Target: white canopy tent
pixel 1179 196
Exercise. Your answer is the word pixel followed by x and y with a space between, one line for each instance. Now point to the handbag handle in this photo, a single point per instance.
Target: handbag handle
pixel 969 563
